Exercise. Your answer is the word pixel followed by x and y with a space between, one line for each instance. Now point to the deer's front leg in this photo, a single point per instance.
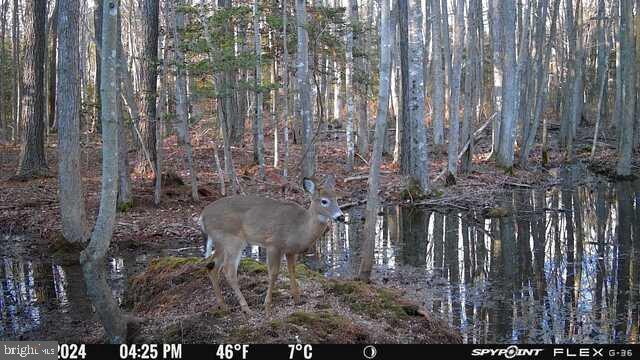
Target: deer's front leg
pixel 274 256
pixel 291 265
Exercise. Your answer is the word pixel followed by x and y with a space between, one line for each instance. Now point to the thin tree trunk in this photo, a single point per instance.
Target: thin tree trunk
pixel 52 65
pixel 285 88
pixel 93 257
pixel 258 121
pixel 17 74
pixel 72 208
pixel 124 172
pixel 3 122
pixel 438 76
pixel 32 161
pixel 97 29
pixel 182 106
pixel 366 265
pixel 469 87
pixel 454 107
pixel 349 86
pixel 302 75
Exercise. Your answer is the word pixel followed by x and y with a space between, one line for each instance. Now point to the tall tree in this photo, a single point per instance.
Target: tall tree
pixel 414 161
pixel 302 75
pixel 3 27
pixel 149 75
pixel 258 122
pixel 93 257
pixel 437 98
pixel 349 93
pixel 628 73
pixel 454 107
pixel 366 264
pixel 33 162
pixel 72 209
pixel 17 75
pixel 53 33
pixel 510 93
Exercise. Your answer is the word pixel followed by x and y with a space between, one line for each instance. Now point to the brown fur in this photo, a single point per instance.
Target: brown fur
pixel 282 227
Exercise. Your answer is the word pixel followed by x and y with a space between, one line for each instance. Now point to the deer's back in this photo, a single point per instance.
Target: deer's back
pixel 256 219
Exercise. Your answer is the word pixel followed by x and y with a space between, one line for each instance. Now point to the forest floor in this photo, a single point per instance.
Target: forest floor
pixel 31 207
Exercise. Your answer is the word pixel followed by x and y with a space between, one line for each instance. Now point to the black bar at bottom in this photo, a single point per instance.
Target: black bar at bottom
pixel 349 352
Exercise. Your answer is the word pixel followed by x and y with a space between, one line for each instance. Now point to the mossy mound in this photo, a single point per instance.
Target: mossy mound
pixel 176 297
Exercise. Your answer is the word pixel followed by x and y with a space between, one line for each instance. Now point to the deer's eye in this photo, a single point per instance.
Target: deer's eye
pixel 324 202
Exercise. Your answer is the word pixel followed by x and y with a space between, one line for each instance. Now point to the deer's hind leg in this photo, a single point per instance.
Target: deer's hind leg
pixel 214 268
pixel 232 260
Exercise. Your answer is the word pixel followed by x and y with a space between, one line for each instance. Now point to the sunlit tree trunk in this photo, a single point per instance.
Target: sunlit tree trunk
pixel 93 257
pixel 366 264
pixel 349 93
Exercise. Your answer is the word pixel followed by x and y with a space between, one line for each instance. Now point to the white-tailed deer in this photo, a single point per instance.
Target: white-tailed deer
pixel 282 227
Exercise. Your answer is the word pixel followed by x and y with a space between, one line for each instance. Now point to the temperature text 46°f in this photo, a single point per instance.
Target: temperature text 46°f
pixel 227 352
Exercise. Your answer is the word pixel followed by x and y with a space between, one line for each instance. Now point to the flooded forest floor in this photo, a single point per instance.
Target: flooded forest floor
pixel 174 295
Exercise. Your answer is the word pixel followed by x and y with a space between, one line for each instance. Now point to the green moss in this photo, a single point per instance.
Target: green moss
pixel 368 300
pixel 252 266
pixel 303 272
pixel 125 206
pixel 173 262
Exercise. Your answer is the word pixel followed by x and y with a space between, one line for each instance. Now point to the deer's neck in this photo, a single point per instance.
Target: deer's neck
pixel 316 224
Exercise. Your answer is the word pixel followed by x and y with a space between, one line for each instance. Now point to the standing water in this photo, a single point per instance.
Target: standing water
pixel 560 265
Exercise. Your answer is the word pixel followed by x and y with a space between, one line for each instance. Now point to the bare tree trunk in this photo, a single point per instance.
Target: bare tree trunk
pixel 469 88
pixel 149 70
pixel 17 75
pixel 510 95
pixel 454 107
pixel 53 33
pixel 349 85
pixel 366 264
pixel 124 172
pixel 33 161
pixel 258 122
pixel 93 257
pixel 3 111
pixel 415 163
pixel 628 62
pixel 496 30
pixel 182 106
pixel 438 76
pixel 302 75
pixel 72 208
pixel 285 88
pixel 97 26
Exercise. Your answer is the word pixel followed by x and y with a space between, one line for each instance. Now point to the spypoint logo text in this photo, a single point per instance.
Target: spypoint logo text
pixel 508 353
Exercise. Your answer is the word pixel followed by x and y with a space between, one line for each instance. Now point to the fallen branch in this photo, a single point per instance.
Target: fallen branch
pixel 466 146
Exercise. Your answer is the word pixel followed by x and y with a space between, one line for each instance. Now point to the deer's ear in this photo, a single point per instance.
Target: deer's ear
pixel 329 182
pixel 309 185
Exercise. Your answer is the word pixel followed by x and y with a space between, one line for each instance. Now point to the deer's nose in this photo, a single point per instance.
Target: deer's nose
pixel 339 218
